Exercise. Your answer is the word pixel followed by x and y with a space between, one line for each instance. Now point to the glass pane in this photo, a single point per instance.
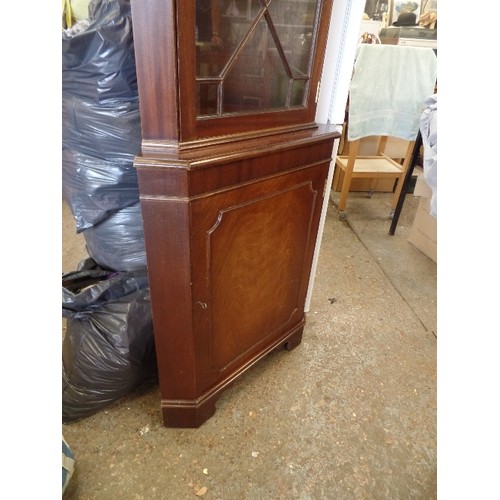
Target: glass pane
pixel 294 23
pixel 210 54
pixel 207 98
pixel 257 79
pixel 259 52
pixel 298 92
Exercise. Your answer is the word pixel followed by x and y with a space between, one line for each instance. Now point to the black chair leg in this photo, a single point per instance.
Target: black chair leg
pixel 406 183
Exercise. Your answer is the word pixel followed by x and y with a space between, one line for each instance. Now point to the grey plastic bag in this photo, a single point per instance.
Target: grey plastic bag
pixel 95 188
pixel 98 63
pixel 118 242
pixel 101 129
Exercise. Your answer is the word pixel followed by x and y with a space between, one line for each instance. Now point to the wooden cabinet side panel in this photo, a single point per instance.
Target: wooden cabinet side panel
pixel 155 45
pixel 166 233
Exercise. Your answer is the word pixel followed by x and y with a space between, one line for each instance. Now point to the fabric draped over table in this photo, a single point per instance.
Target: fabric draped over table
pixel 388 90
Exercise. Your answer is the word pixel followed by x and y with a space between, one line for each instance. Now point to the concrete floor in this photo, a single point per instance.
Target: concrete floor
pixel 348 414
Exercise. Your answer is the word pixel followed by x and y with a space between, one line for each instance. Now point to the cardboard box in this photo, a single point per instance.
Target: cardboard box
pixel 423 233
pixel 421 187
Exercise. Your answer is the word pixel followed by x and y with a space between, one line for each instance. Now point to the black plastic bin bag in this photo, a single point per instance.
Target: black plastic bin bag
pixel 108 348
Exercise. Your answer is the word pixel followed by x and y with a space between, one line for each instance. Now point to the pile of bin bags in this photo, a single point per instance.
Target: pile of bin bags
pixel 101 134
pixel 108 349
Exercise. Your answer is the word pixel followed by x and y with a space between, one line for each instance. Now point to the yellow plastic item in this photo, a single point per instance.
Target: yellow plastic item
pixel 80 9
pixel 66 14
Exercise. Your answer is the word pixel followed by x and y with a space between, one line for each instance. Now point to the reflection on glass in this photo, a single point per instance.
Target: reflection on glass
pixel 252 55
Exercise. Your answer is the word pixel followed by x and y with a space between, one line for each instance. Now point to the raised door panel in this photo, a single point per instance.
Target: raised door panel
pixel 251 248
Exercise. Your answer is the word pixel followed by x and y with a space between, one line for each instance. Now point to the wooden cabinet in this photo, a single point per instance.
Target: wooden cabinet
pixel 232 175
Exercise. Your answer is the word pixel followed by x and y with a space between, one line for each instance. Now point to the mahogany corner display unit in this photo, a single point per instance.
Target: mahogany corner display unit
pixel 232 174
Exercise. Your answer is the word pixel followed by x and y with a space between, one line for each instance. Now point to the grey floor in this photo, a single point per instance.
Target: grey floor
pixel 348 414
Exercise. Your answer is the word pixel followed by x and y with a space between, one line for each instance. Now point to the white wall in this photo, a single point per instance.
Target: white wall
pixel 341 46
pixel 343 39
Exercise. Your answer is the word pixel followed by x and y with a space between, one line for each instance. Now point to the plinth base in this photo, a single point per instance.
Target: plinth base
pixel 192 414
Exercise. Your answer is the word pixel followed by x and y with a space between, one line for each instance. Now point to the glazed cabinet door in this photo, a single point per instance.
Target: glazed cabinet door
pixel 256 67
